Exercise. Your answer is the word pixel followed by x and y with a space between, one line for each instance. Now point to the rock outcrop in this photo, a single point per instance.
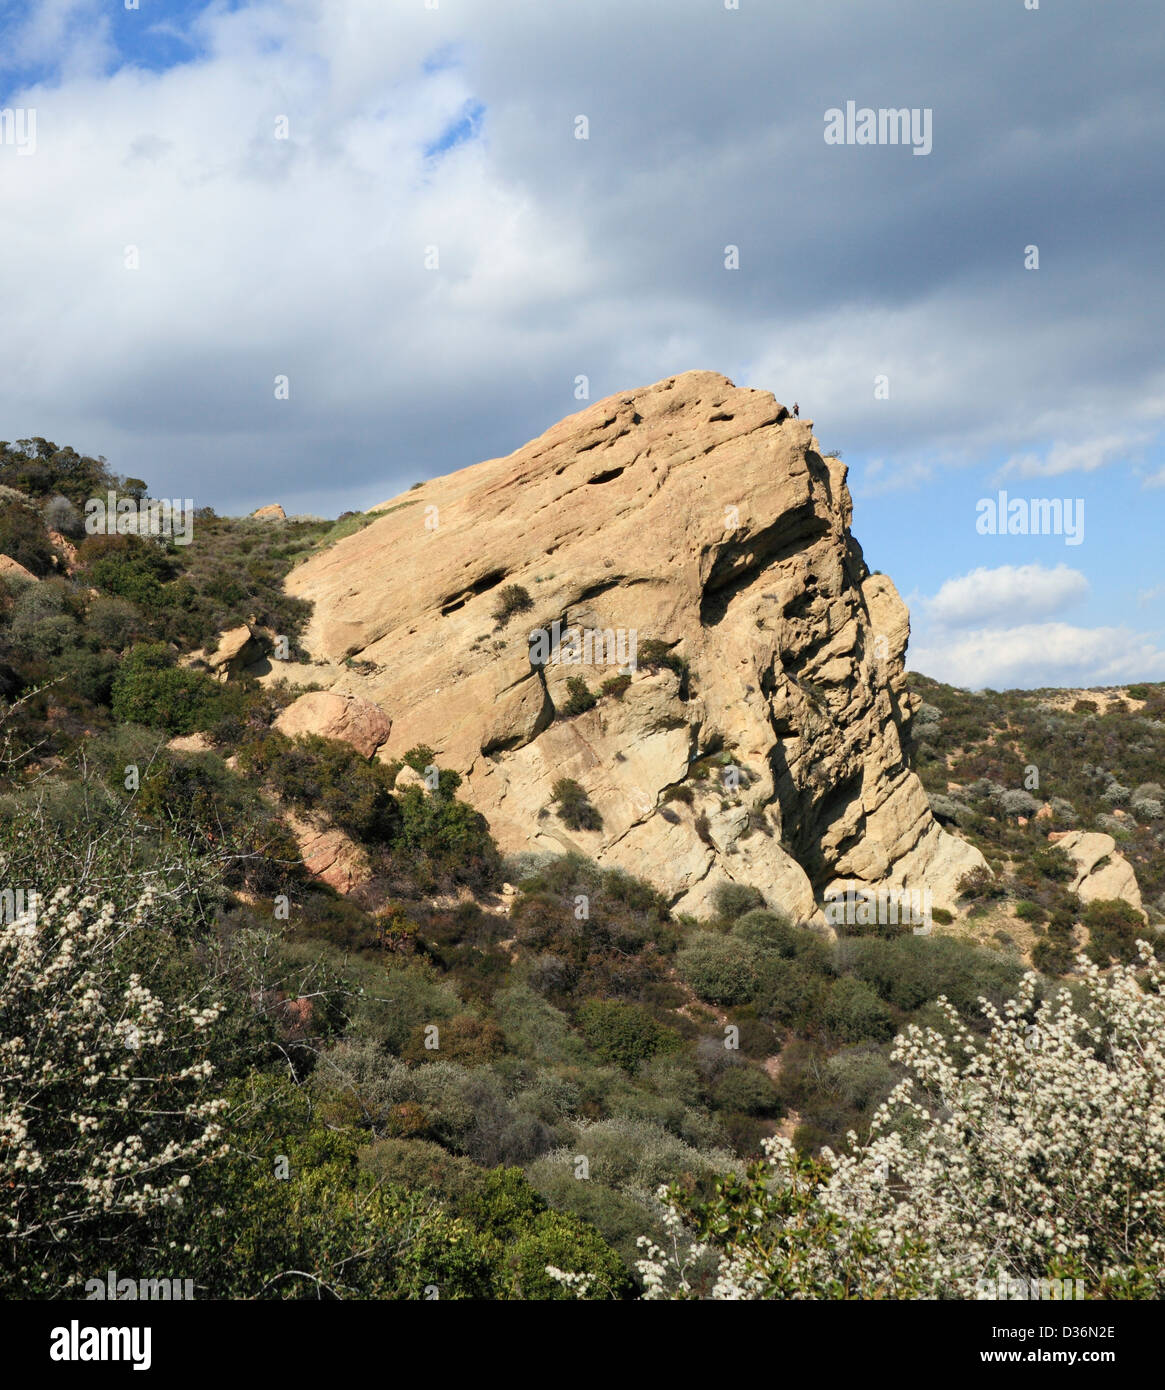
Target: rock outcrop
pixel 237 649
pixel 330 855
pixel 1101 872
pixel 760 737
pixel 272 512
pixel 13 569
pixel 358 722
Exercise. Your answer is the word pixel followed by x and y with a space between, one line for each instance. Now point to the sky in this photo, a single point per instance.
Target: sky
pixel 387 206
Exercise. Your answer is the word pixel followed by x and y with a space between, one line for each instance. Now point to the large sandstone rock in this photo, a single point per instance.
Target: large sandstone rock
pixel 691 513
pixel 237 649
pixel 272 512
pixel 356 721
pixel 13 569
pixel 1101 872
pixel 330 855
pixel 66 551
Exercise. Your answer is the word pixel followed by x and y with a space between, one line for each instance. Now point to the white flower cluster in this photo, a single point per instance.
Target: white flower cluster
pixel 1033 1153
pixel 579 1284
pixel 101 1086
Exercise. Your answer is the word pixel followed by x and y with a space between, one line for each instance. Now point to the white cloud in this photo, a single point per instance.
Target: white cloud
pixel 558 257
pixel 1014 591
pixel 1039 654
pixel 1079 456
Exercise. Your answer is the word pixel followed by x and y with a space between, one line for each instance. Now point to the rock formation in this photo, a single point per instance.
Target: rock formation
pixel 237 649
pixel 13 569
pixel 358 722
pixel 760 738
pixel 1101 873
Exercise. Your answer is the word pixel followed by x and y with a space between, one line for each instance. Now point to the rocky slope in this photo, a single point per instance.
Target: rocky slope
pixel 694 514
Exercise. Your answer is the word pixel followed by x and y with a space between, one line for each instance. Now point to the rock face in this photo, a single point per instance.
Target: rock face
pixel 693 517
pixel 1101 873
pixel 237 649
pixel 272 512
pixel 330 855
pixel 10 568
pixel 66 551
pixel 358 722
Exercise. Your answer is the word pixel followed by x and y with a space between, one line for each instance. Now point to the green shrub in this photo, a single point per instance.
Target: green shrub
pixel 1113 926
pixel 981 885
pixel 574 806
pixel 513 1214
pixel 511 600
pixel 1052 862
pixel 1053 956
pixel 913 970
pixel 451 837
pixel 625 1035
pixel 616 686
pixel 151 689
pixel 722 970
pixel 23 537
pixel 1030 912
pixel 853 1013
pixel 733 900
pixel 580 698
pixel 746 1089
pixel 330 777
pixel 654 654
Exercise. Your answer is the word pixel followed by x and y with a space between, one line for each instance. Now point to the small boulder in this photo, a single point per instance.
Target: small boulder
pixel 408 777
pixel 332 715
pixel 191 743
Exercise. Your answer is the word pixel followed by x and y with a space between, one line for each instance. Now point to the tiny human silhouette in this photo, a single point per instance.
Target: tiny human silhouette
pixel 796 410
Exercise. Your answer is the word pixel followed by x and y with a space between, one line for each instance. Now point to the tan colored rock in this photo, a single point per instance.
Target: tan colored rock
pixel 272 512
pixel 693 513
pixel 408 777
pixel 191 743
pixel 1045 812
pixel 1101 871
pixel 237 649
pixel 358 722
pixel 330 855
pixel 10 568
pixel 66 550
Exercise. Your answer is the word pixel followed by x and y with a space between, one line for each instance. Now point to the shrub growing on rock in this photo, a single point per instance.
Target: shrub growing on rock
pixel 574 806
pixel 511 600
pixel 732 900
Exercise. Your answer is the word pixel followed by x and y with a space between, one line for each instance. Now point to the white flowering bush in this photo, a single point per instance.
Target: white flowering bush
pixel 103 1090
pixel 1036 1152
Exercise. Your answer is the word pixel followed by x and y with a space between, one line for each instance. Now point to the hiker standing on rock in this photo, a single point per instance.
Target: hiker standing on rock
pixel 796 410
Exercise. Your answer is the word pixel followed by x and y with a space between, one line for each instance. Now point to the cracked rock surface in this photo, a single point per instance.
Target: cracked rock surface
pixel 690 513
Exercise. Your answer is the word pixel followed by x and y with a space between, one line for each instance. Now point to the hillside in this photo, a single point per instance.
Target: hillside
pixel 459 998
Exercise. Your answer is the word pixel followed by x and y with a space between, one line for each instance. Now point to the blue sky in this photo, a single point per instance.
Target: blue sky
pixel 412 131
